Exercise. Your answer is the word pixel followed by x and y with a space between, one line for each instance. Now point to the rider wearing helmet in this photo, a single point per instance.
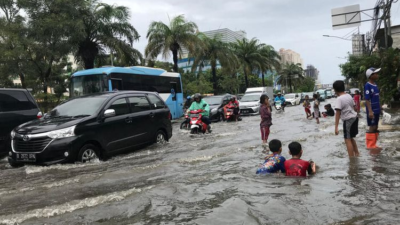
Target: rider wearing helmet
pixel 199 103
pixel 235 105
pixel 188 102
pixel 281 99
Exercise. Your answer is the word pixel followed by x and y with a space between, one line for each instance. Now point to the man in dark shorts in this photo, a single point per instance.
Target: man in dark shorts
pixel 373 108
pixel 345 110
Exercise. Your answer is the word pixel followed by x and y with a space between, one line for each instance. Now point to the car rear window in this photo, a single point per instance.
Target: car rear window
pixel 14 101
pixel 139 104
pixel 156 102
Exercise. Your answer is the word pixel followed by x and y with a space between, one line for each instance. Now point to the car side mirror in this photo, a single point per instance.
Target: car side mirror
pixel 109 113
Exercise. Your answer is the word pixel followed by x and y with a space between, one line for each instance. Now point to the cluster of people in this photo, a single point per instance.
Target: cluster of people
pixel 347 109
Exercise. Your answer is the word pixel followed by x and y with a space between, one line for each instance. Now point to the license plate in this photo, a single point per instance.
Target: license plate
pixel 245 111
pixel 26 157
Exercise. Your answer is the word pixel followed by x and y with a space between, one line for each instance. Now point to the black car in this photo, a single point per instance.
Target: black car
pixel 217 102
pixel 17 106
pixel 90 127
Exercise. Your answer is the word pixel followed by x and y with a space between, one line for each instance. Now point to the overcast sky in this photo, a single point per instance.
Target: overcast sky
pixel 290 24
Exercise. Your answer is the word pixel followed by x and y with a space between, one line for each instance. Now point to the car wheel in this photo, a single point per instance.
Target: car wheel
pixel 88 153
pixel 161 138
pixel 14 164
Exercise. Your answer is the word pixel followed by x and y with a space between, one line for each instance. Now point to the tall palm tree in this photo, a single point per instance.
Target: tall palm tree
pixel 272 61
pixel 248 53
pixel 106 28
pixel 290 73
pixel 212 51
pixel 163 38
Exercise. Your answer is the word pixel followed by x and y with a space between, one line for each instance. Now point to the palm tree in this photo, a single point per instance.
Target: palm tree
pixel 212 51
pixel 290 73
pixel 163 38
pixel 106 28
pixel 271 61
pixel 248 53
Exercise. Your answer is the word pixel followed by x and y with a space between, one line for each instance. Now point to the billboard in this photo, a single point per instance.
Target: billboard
pixel 346 17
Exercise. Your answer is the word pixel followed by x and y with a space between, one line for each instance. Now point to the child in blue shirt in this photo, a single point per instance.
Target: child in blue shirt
pixel 275 162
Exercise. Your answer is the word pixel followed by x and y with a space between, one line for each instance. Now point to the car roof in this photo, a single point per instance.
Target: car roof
pixel 216 96
pixel 13 89
pixel 116 93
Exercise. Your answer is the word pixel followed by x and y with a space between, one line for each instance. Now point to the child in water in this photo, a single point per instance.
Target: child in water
pixel 316 108
pixel 357 99
pixel 307 106
pixel 329 111
pixel 275 162
pixel 296 167
pixel 266 120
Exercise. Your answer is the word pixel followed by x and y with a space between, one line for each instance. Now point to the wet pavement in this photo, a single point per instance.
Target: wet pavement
pixel 210 179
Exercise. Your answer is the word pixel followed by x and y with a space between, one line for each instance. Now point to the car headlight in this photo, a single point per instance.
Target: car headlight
pixel 62 133
pixel 12 134
pixel 214 110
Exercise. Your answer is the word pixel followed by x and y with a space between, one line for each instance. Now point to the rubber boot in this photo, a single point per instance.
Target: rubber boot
pixel 376 139
pixel 370 140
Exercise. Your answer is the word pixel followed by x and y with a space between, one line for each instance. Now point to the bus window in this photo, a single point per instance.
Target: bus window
pixel 116 84
pixel 173 91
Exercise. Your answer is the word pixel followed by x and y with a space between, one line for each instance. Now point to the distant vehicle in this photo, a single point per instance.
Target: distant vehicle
pixel 293 99
pixel 216 103
pixel 303 96
pixel 267 90
pixel 250 104
pixel 167 84
pixel 328 94
pixel 322 94
pixel 95 126
pixel 17 106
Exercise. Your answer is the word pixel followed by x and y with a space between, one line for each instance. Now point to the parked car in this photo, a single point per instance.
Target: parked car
pixel 322 94
pixel 250 104
pixel 216 103
pixel 328 94
pixel 292 99
pixel 17 106
pixel 96 126
pixel 303 96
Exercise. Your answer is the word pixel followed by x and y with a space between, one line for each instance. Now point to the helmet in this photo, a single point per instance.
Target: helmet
pixel 197 96
pixel 188 97
pixel 233 98
pixel 279 93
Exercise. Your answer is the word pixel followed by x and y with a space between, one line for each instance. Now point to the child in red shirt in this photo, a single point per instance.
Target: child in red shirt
pixel 296 167
pixel 357 98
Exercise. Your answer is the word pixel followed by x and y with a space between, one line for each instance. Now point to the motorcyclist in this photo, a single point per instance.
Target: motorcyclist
pixel 199 103
pixel 188 102
pixel 233 103
pixel 281 99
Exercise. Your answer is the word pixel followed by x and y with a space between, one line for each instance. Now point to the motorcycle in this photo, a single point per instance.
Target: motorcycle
pixel 230 114
pixel 278 106
pixel 196 124
pixel 186 123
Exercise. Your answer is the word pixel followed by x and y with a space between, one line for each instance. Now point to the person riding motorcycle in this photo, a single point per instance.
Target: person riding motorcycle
pixel 188 102
pixel 281 99
pixel 199 103
pixel 233 103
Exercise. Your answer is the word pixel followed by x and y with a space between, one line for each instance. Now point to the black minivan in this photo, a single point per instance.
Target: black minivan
pixel 17 106
pixel 90 127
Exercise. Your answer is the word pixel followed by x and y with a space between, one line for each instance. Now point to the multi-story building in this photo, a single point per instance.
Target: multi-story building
pixel 289 56
pixel 311 71
pixel 358 44
pixel 226 36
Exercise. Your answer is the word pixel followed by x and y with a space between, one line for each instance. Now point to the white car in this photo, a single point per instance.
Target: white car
pixel 293 99
pixel 250 104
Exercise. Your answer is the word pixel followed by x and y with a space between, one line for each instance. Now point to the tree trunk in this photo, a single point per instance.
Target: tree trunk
pixel 175 57
pixel 214 74
pixel 45 99
pixel 290 85
pixel 263 81
pixel 245 78
pixel 22 78
pixel 88 51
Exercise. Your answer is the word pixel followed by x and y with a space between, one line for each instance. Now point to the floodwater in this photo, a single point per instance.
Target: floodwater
pixel 210 179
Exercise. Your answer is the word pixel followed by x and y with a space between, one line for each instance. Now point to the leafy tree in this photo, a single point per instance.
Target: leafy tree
pixel 306 85
pixel 106 28
pixel 212 51
pixel 271 61
pixel 248 53
pixel 163 38
pixel 290 73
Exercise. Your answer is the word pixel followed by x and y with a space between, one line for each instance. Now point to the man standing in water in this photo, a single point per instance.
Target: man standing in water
pixel 373 108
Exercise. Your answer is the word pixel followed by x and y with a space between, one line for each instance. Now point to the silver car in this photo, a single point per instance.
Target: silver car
pixel 250 104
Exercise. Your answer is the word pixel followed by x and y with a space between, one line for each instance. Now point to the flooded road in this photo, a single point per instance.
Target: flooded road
pixel 210 179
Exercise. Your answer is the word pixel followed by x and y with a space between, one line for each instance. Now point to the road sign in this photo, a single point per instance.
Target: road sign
pixel 346 17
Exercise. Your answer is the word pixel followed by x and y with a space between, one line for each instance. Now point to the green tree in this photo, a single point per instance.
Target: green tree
pixel 271 61
pixel 163 38
pixel 248 53
pixel 106 28
pixel 306 85
pixel 290 73
pixel 212 51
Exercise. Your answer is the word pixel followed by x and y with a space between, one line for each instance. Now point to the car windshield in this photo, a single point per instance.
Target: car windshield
pixel 250 98
pixel 321 93
pixel 213 100
pixel 79 107
pixel 289 96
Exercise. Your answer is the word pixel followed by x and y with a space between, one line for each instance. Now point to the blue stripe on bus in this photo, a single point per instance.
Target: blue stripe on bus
pixel 109 85
pixel 134 69
pixel 174 107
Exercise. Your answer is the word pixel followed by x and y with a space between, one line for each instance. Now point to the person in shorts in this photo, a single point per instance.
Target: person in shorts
pixel 266 120
pixel 307 106
pixel 273 163
pixel 316 112
pixel 345 111
pixel 373 108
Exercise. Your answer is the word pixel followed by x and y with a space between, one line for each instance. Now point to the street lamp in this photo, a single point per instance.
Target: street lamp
pixel 336 37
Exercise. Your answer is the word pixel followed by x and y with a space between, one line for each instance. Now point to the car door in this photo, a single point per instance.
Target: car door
pixel 116 131
pixel 142 119
pixel 161 114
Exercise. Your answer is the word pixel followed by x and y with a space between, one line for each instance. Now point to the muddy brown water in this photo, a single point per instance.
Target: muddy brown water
pixel 210 179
